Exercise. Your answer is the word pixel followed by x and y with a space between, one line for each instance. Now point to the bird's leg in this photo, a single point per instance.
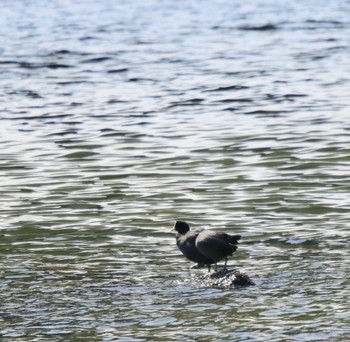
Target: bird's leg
pixel 225 266
pixel 216 267
pixel 208 268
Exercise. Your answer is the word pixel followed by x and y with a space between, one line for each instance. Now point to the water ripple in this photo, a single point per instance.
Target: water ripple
pixel 232 117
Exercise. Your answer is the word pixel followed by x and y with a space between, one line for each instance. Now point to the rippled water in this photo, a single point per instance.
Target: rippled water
pixel 118 117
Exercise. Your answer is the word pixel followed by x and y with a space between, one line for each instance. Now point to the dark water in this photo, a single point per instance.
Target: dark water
pixel 119 117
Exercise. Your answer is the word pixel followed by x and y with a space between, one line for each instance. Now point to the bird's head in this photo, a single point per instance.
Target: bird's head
pixel 181 227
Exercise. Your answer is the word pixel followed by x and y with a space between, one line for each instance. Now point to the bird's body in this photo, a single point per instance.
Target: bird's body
pixel 187 245
pixel 204 247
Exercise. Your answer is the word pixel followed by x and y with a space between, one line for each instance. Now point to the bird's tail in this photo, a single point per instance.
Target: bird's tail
pixel 234 239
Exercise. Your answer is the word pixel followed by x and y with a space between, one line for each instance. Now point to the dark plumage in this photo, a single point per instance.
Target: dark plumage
pixel 186 241
pixel 204 247
pixel 216 246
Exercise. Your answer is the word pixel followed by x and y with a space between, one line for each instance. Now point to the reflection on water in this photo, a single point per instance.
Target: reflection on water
pixel 119 118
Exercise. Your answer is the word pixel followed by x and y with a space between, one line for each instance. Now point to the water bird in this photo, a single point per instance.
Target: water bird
pixel 205 247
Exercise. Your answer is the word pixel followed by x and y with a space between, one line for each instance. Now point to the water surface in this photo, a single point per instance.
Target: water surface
pixel 118 118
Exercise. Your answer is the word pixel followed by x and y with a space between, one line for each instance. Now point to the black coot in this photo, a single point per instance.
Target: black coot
pixel 204 247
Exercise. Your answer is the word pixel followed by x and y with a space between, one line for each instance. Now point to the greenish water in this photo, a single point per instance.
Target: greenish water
pixel 117 119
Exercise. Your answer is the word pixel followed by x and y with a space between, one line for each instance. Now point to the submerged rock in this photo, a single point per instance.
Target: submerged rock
pixel 223 278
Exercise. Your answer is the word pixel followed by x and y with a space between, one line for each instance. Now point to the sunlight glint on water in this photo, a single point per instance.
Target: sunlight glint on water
pixel 119 118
